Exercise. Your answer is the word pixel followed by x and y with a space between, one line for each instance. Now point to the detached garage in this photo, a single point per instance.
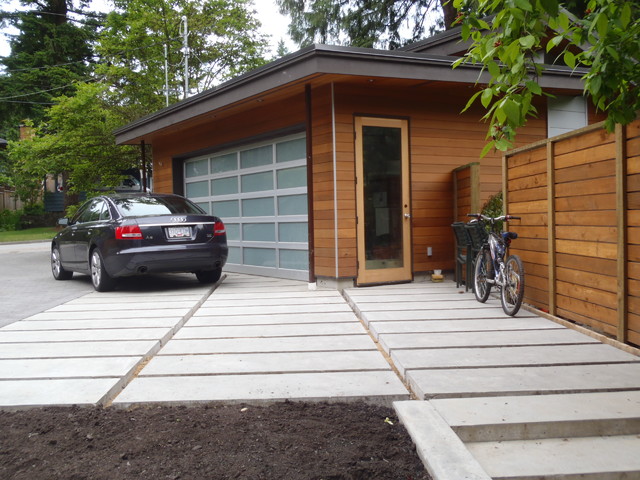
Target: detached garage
pixel 334 164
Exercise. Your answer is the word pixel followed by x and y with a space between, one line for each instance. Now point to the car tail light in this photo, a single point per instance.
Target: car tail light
pixel 218 229
pixel 128 232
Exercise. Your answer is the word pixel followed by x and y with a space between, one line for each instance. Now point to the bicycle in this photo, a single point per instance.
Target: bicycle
pixel 510 272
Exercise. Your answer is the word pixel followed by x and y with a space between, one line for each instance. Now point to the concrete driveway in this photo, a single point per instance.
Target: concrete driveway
pixel 482 395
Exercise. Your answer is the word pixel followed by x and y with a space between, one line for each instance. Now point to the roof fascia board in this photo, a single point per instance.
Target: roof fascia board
pixel 317 60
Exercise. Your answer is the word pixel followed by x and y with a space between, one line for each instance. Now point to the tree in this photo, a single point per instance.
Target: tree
pixel 76 141
pixel 49 54
pixel 365 23
pixel 508 35
pixel 223 42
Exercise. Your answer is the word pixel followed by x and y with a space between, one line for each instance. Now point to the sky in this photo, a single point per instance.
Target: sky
pixel 273 23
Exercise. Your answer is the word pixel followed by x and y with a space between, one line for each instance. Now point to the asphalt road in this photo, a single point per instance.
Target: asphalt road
pixel 27 286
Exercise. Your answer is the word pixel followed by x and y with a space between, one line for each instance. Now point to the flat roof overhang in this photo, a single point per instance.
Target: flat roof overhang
pixel 318 62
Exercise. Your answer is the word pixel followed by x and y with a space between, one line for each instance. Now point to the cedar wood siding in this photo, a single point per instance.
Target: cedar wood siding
pixel 441 139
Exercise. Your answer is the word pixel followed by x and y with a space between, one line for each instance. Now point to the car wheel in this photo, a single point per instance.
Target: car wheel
pixel 101 280
pixel 59 273
pixel 209 276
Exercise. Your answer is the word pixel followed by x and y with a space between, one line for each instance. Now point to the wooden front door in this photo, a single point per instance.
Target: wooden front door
pixel 383 200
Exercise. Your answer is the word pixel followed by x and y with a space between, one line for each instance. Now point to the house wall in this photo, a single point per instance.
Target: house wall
pixel 579 237
pixel 441 139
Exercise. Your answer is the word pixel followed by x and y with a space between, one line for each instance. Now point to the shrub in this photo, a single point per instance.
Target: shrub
pixel 10 220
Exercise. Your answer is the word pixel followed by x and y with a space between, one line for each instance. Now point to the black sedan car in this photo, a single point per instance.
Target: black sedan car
pixel 128 234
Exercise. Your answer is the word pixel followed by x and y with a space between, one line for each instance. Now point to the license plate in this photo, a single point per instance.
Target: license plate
pixel 178 232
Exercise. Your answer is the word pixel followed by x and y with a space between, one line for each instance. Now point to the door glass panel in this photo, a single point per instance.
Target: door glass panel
pixel 235 255
pixel 224 186
pixel 229 208
pixel 261 257
pixel 224 163
pixel 198 189
pixel 293 232
pixel 233 231
pixel 259 232
pixel 292 205
pixel 258 207
pixel 291 150
pixel 257 182
pixel 294 259
pixel 382 195
pixel 292 177
pixel 195 169
pixel 256 157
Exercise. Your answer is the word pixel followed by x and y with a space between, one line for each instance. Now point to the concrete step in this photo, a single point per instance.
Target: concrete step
pixel 542 416
pixel 586 458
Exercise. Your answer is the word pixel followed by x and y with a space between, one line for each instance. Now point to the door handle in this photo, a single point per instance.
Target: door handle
pixel 407 215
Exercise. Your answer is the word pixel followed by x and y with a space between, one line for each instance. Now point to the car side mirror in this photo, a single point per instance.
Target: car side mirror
pixel 63 222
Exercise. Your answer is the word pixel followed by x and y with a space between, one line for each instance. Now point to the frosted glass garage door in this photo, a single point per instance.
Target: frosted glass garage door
pixel 260 192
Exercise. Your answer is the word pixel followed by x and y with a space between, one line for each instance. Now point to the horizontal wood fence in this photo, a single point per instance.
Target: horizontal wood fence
pixel 579 198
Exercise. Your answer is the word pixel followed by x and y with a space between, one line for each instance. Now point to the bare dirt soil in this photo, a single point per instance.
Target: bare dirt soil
pixel 295 441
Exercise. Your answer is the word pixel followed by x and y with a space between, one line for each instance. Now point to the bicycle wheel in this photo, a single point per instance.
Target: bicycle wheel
pixel 483 270
pixel 513 288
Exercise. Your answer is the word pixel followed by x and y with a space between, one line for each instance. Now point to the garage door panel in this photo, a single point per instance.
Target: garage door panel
pixel 260 192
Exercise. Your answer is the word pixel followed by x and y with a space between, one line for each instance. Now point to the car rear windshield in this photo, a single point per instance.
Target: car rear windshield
pixel 144 206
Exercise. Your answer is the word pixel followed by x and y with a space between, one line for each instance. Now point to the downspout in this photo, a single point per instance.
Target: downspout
pixel 309 146
pixel 144 166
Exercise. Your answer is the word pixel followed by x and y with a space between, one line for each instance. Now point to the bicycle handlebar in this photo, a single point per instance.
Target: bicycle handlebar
pixel 493 219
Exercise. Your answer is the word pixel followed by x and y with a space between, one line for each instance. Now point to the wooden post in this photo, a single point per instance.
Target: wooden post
pixel 475 187
pixel 621 224
pixel 455 195
pixel 551 225
pixel 505 184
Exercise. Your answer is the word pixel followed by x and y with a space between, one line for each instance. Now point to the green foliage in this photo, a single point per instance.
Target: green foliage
pixel 509 35
pixel 48 55
pixel 77 141
pixel 223 42
pixel 10 220
pixel 364 23
pixel 493 208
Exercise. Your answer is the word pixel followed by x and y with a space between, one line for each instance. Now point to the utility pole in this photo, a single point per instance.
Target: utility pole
pixel 185 44
pixel 166 76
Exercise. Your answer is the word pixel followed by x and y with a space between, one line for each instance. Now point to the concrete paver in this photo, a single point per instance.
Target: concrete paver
pixel 16 394
pixel 381 387
pixel 76 349
pixel 48 368
pixel 391 342
pixel 508 356
pixel 442 326
pixel 280 362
